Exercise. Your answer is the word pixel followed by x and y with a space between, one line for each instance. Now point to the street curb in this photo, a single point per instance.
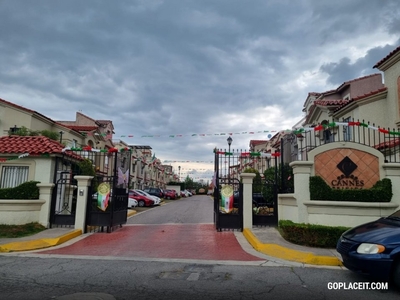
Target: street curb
pixel 290 254
pixel 131 213
pixel 40 243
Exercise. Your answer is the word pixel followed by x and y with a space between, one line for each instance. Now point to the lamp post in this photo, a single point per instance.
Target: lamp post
pixel 229 140
pixel 61 134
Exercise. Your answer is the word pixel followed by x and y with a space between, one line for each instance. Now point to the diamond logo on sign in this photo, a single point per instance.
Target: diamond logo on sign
pixel 347 166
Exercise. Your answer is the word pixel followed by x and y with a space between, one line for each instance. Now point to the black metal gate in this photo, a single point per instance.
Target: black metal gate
pixel 228 193
pixel 228 167
pixel 106 206
pixel 265 204
pixel 265 191
pixel 63 204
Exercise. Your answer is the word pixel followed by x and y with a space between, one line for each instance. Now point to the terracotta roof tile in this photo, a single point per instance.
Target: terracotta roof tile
pixel 361 97
pixel 331 102
pixel 34 145
pixel 386 57
pixel 389 144
pixel 82 127
pixel 257 142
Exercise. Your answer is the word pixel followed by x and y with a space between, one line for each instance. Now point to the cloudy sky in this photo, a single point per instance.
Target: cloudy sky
pixel 169 71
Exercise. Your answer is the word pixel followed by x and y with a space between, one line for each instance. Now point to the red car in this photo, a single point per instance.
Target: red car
pixel 142 200
pixel 170 194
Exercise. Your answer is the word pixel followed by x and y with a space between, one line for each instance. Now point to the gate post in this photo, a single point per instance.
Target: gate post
pixel 45 192
pixel 247 180
pixel 81 202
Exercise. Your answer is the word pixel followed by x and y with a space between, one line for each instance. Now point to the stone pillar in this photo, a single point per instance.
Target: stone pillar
pixel 81 203
pixel 393 173
pixel 247 180
pixel 45 193
pixel 302 173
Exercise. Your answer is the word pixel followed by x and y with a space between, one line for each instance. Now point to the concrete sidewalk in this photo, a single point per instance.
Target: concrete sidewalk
pixel 269 241
pixel 266 240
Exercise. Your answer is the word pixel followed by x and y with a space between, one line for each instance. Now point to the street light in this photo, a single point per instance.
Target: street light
pixel 229 140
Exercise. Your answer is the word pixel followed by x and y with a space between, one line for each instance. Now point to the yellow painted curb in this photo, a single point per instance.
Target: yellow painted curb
pixel 290 254
pixel 131 213
pixel 40 243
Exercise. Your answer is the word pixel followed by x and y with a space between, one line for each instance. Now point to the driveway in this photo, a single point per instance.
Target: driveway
pixel 181 229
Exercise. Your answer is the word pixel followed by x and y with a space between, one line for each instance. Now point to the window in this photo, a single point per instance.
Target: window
pixel 12 176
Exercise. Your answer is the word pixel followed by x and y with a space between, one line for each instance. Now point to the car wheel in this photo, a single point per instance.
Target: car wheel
pixel 396 274
pixel 141 203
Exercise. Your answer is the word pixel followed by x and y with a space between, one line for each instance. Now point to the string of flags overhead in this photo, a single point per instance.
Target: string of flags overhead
pixel 350 123
pixel 269 132
pixel 187 135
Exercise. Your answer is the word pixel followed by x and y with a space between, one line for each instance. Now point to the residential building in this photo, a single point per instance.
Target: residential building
pixel 98 133
pixel 14 117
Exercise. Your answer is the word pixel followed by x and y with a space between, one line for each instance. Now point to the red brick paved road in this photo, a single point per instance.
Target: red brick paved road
pixel 180 241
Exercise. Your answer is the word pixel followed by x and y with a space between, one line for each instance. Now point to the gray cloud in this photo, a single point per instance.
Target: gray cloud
pixel 170 67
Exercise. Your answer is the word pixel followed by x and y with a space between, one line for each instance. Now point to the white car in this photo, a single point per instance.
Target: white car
pixel 132 202
pixel 187 193
pixel 156 199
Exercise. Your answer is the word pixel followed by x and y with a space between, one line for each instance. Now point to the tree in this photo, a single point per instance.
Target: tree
pixel 189 184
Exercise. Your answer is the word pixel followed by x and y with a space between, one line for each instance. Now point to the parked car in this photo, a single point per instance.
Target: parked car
pixel 132 202
pixel 188 193
pixel 258 200
pixel 156 199
pixel 373 248
pixel 142 200
pixel 170 194
pixel 155 192
pixel 184 193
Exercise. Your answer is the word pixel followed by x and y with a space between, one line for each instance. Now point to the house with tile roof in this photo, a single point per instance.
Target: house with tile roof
pixel 350 139
pixel 372 100
pixel 14 117
pixel 354 99
pixel 25 158
pixel 390 66
pixel 35 158
pixel 98 133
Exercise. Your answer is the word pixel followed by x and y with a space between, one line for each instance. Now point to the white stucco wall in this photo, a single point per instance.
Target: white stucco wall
pixel 298 207
pixel 44 171
pixel 18 212
pixel 390 78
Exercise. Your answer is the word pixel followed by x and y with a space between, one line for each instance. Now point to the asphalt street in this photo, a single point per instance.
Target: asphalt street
pixel 172 252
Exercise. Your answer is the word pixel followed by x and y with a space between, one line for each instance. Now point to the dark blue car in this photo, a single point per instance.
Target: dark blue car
pixel 373 248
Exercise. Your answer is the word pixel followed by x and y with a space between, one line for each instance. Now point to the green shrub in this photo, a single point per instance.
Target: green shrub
pixel 310 235
pixel 26 190
pixel 380 192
